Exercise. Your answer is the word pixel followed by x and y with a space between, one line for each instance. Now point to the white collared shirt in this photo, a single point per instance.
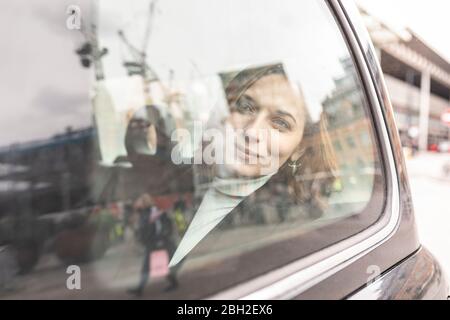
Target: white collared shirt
pixel 221 198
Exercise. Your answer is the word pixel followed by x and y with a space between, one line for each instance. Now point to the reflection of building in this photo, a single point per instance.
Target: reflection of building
pixel 418 80
pixel 64 173
pixel 46 176
pixel 348 125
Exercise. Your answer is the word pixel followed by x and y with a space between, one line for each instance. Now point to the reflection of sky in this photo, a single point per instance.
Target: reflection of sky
pixel 427 18
pixel 43 89
pixel 203 38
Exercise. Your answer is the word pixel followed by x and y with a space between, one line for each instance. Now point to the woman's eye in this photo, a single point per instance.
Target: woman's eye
pixel 282 124
pixel 245 106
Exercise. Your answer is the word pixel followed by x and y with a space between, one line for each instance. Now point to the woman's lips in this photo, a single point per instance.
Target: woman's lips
pixel 247 154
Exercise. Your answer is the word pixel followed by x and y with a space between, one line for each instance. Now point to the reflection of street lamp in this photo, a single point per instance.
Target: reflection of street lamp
pixel 90 52
pixel 87 54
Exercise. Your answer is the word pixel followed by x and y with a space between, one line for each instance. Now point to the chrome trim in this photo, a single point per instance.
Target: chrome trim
pixel 309 271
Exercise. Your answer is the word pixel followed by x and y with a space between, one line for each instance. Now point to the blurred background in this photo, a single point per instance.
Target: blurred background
pixel 411 38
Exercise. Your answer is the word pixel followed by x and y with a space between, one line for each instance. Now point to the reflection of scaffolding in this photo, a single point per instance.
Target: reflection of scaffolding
pixel 140 66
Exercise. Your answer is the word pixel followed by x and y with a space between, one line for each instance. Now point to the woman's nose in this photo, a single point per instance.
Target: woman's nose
pixel 255 129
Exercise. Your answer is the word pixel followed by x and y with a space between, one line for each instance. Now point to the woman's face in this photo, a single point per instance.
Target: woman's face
pixel 268 120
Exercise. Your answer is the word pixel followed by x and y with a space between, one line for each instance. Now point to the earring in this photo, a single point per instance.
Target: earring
pixel 294 165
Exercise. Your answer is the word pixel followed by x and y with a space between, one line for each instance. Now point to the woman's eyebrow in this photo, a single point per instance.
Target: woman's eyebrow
pixel 286 114
pixel 247 97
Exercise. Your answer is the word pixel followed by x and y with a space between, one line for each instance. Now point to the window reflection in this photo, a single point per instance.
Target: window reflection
pixel 200 169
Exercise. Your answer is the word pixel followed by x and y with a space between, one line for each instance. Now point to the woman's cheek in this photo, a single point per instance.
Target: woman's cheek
pixel 284 144
pixel 277 146
pixel 237 120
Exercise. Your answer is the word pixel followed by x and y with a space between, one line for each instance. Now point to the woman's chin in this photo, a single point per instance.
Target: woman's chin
pixel 242 170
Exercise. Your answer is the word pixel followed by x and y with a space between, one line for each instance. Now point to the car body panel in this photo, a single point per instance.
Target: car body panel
pixel 418 277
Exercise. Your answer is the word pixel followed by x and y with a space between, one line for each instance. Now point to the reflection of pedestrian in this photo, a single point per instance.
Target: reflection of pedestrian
pixel 155 233
pixel 179 210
